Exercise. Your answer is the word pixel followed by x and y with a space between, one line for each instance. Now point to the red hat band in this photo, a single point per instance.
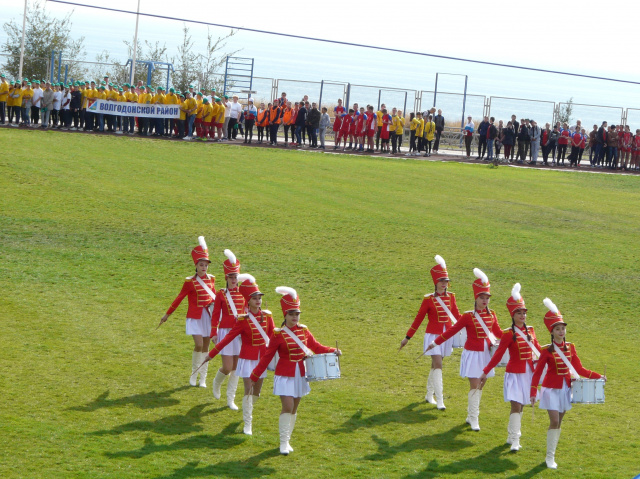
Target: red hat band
pixel 481 288
pixel 513 305
pixel 230 268
pixel 438 272
pixel 288 303
pixel 199 253
pixel 552 319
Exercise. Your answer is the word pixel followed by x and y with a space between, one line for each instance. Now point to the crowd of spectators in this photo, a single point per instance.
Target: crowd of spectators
pixel 207 116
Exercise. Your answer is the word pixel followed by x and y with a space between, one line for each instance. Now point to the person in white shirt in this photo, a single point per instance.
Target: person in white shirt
pixel 227 116
pixel 36 105
pixel 55 111
pixel 65 119
pixel 235 110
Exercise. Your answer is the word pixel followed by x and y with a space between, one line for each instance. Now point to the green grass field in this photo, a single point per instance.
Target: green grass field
pixel 95 241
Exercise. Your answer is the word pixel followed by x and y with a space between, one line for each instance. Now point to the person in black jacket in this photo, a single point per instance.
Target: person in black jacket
pixel 601 145
pixel 516 130
pixel 508 140
pixel 523 140
pixel 313 123
pixel 492 132
pixel 74 106
pixel 301 122
pixel 439 121
pixel 482 138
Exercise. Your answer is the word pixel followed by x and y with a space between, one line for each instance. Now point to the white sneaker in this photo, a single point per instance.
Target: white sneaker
pixel 187 138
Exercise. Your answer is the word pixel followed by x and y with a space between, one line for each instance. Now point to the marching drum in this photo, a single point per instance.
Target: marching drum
pixel 505 357
pixel 322 366
pixel 273 363
pixel 587 391
pixel 459 339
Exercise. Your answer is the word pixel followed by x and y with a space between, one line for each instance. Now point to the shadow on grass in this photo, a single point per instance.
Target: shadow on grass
pixel 531 473
pixel 492 463
pixel 407 415
pixel 444 441
pixel 150 400
pixel 169 426
pixel 225 439
pixel 232 469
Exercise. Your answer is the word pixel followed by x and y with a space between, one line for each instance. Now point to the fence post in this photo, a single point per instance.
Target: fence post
pixel 348 95
pixel 435 91
pixel 404 110
pixel 59 65
pixel 417 103
pixel 320 99
pixel 379 96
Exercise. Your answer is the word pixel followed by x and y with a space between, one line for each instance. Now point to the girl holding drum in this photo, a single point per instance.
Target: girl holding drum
pixel 563 366
pixel 292 342
pixel 440 306
pixel 255 328
pixel 200 290
pixel 482 330
pixel 229 302
pixel 524 349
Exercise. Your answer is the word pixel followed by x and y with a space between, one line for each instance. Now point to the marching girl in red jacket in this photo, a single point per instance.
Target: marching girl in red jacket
pixel 289 382
pixel 482 330
pixel 438 307
pixel 200 291
pixel 228 304
pixel 524 349
pixel 255 328
pixel 555 395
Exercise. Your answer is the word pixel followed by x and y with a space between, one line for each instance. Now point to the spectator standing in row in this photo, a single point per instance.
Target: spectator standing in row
pixel 492 133
pixel 482 137
pixel 563 143
pixel 535 142
pixel 235 110
pixel 612 147
pixel 379 115
pixel 523 141
pixel 301 124
pixel 313 121
pixel 47 105
pixel 497 144
pixel 508 139
pixel 468 135
pixel 325 122
pixel 250 114
pixel 439 121
pixel 429 135
pixel 601 145
pixel 516 130
pixel 36 103
pixel 4 96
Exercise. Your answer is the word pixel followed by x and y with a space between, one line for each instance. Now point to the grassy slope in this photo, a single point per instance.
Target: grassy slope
pixel 96 234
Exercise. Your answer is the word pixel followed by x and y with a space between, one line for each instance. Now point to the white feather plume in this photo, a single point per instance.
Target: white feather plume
pixel 515 292
pixel 286 290
pixel 244 276
pixel 440 261
pixel 481 276
pixel 550 306
pixel 229 254
pixel 202 242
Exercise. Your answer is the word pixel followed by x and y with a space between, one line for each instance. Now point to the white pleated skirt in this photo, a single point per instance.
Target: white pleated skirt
pixel 517 386
pixel 473 362
pixel 555 399
pixel 246 367
pixel 443 349
pixel 233 348
pixel 200 327
pixel 295 387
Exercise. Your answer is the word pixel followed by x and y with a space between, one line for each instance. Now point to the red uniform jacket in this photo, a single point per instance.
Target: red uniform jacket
pixel 222 316
pixel 520 353
pixel 253 345
pixel 475 334
pixel 289 352
pixel 439 321
pixel 198 297
pixel 558 372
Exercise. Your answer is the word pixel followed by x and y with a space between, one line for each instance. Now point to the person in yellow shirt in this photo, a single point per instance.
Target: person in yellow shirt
pixel 190 106
pixel 27 95
pixel 146 99
pixel 420 132
pixel 207 118
pixel 159 101
pixel 413 124
pixel 4 96
pixel 91 97
pixel 128 121
pixel 198 120
pixel 379 115
pixel 112 96
pixel 15 103
pixel 183 115
pixel 101 95
pixel 170 123
pixel 429 134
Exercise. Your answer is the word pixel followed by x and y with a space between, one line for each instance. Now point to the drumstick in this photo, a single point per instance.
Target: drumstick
pixel 423 353
pixel 533 414
pixel 161 325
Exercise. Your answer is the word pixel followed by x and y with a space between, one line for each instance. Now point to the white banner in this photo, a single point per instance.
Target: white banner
pixel 134 109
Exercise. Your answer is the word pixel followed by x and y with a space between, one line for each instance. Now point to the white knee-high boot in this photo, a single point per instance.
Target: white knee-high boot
pixel 232 385
pixel 247 413
pixel 513 429
pixel 553 436
pixel 438 388
pixel 217 383
pixel 473 408
pixel 203 369
pixel 284 423
pixel 430 388
pixel 195 357
pixel 291 426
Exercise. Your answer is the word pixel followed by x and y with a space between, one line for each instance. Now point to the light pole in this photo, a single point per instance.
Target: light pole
pixel 24 24
pixel 135 48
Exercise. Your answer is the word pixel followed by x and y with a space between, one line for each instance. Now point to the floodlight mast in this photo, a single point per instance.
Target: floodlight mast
pixel 135 48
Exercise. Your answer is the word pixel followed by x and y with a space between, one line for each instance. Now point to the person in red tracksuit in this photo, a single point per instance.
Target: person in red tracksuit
pixel 228 304
pixel 199 312
pixel 289 382
pixel 439 321
pixel 253 327
pixel 476 354
pixel 518 339
pixel 555 395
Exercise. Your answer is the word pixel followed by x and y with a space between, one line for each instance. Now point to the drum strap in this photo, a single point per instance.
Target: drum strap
pixel 534 350
pixel 572 370
pixel 446 310
pixel 260 330
pixel 492 338
pixel 293 336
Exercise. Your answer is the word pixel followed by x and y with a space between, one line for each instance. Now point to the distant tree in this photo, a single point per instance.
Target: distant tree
pixel 43 34
pixel 564 114
pixel 211 62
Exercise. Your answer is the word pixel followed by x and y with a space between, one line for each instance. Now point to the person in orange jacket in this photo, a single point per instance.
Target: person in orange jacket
pixel 439 306
pixel 275 118
pixel 287 115
pixel 289 382
pixel 255 329
pixel 524 349
pixel 228 304
pixel 262 121
pixel 555 395
pixel 482 330
pixel 200 291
